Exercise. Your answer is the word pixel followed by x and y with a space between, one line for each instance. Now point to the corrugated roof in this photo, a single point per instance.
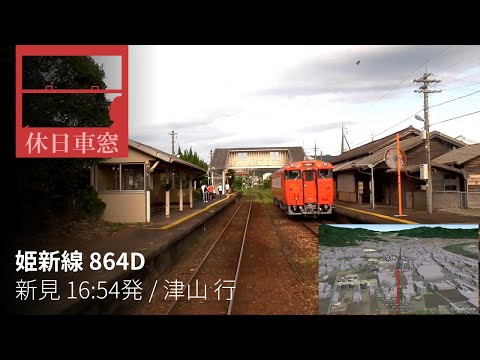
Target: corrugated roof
pixel 416 168
pixel 373 146
pixel 378 156
pixel 296 153
pixel 162 155
pixel 340 167
pixel 220 156
pixel 459 156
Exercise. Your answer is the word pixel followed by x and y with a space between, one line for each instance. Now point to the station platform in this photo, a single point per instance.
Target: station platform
pixel 159 242
pixel 385 214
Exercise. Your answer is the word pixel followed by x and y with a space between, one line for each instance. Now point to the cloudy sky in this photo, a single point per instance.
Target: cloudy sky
pixel 235 96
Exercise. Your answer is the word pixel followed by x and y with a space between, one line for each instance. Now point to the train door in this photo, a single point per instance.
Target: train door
pixel 309 187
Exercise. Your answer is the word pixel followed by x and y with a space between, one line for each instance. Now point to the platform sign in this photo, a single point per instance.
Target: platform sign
pixel 71 101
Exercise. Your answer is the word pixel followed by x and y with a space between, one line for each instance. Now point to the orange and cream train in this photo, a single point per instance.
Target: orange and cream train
pixel 304 188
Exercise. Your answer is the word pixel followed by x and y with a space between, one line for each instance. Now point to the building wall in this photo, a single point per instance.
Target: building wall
pixel 417 155
pixel 440 183
pixel 124 206
pixel 345 187
pixel 474 200
pixel 473 168
pixel 258 159
pixel 447 200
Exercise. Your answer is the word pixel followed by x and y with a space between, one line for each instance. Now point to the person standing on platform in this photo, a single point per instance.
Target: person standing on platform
pixel 204 193
pixel 220 189
pixel 227 188
pixel 211 192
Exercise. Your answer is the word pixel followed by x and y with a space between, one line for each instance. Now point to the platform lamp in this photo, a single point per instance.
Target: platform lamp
pixel 429 170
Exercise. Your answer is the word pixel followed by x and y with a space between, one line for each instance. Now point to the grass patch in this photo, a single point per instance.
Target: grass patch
pixel 459 250
pixel 310 261
pixel 113 227
pixel 260 194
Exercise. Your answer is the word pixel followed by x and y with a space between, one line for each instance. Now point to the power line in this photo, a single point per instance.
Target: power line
pixel 411 116
pixel 389 91
pixel 401 81
pixel 460 97
pixel 407 118
pixel 462 86
pixel 460 78
pixel 391 127
pixel 457 117
pixel 441 52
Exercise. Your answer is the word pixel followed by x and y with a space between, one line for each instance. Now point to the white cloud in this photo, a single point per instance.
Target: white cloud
pixel 275 95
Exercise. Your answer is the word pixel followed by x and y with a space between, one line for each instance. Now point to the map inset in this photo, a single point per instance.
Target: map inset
pixel 398 269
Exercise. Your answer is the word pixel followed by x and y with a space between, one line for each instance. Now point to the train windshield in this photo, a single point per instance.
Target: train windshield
pixel 325 173
pixel 292 175
pixel 309 175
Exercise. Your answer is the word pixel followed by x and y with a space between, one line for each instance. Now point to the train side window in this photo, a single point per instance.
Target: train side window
pixel 292 175
pixel 309 175
pixel 325 174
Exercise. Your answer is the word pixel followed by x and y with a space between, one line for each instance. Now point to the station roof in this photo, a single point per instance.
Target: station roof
pixel 459 156
pixel 165 157
pixel 373 146
pixel 379 156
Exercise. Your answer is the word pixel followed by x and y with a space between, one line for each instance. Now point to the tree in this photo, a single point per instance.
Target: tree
pixel 193 158
pixel 51 186
pixel 64 110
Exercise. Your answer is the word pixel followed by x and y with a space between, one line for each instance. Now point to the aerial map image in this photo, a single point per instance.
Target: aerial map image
pixel 398 269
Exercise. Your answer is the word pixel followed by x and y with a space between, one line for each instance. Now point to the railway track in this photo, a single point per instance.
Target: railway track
pixel 313 225
pixel 215 279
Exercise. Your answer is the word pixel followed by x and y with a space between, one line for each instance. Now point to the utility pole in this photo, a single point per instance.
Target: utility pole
pixel 315 149
pixel 321 155
pixel 344 139
pixel 211 168
pixel 423 88
pixel 172 134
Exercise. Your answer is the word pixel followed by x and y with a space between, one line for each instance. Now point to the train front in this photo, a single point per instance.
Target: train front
pixel 316 197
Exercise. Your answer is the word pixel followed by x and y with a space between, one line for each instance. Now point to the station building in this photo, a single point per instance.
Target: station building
pixel 362 176
pixel 147 180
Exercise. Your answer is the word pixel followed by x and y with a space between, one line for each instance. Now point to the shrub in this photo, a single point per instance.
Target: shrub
pixel 267 184
pixel 197 194
pixel 88 201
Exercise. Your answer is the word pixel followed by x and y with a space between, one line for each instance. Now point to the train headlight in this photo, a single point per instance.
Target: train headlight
pixel 325 207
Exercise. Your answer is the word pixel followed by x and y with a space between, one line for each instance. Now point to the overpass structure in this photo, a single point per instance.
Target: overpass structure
pixel 228 162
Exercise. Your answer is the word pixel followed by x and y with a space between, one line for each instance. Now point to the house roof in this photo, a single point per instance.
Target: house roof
pixel 342 166
pixel 416 168
pixel 162 155
pixel 378 156
pixel 220 156
pixel 459 156
pixel 373 146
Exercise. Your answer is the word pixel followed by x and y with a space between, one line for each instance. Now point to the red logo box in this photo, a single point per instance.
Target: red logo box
pixel 37 141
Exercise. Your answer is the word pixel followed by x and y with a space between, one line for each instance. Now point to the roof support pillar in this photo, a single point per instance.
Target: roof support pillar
pixel 190 190
pixel 181 192
pixel 223 180
pixel 372 192
pixel 167 195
